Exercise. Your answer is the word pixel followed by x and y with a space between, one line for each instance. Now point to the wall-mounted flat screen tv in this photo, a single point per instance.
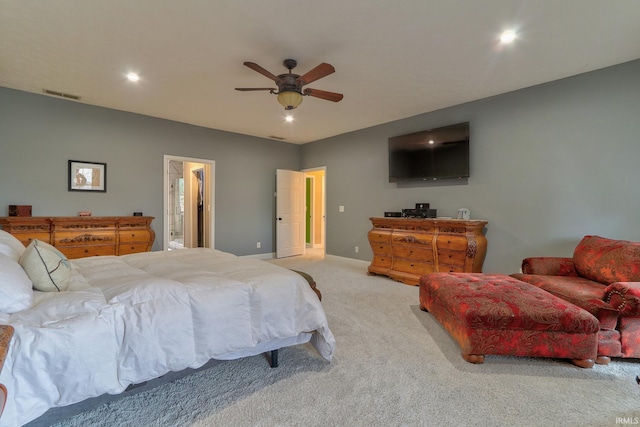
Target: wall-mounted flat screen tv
pixel 441 153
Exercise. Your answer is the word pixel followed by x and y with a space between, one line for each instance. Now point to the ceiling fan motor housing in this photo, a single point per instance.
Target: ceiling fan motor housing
pixel 289 83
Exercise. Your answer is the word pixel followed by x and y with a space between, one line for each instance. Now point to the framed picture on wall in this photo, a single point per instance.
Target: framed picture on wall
pixel 87 176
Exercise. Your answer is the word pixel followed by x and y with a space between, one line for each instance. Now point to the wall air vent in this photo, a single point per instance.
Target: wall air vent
pixel 279 138
pixel 61 94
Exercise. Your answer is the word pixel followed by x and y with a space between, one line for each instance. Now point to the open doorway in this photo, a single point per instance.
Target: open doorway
pixel 315 210
pixel 300 212
pixel 188 203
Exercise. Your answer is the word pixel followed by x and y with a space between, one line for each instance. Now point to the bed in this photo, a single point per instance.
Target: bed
pixel 124 320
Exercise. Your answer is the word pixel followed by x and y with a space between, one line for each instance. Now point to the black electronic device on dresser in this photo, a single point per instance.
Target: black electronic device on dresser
pixel 419 213
pixel 421 210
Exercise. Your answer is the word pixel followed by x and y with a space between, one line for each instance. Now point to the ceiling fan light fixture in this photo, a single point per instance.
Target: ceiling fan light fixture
pixel 290 99
pixel 508 37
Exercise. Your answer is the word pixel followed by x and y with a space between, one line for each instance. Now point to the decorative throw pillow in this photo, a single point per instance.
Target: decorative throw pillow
pixel 10 246
pixel 16 290
pixel 47 267
pixel 607 260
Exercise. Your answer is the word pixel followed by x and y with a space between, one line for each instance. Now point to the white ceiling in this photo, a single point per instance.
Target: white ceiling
pixel 393 58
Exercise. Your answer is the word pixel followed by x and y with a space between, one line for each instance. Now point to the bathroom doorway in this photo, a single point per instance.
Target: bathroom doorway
pixel 188 201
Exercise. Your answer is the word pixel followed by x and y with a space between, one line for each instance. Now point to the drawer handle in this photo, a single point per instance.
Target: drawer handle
pixel 86 251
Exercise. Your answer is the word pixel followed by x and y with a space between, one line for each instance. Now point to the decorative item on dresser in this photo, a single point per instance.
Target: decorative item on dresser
pixel 406 248
pixel 83 236
pixel 19 210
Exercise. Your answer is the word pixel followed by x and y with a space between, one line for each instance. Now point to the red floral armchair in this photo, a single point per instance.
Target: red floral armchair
pixel 602 277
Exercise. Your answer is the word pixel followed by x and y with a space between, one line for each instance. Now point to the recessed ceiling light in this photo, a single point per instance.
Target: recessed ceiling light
pixel 133 77
pixel 507 37
pixel 289 119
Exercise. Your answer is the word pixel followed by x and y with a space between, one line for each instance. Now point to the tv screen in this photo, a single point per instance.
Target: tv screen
pixel 441 153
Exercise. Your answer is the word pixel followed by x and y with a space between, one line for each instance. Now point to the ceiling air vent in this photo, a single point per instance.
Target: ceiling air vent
pixel 279 138
pixel 61 94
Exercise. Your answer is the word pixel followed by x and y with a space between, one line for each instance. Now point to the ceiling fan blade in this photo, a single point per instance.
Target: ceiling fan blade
pixel 319 72
pixel 259 69
pixel 244 89
pixel 323 94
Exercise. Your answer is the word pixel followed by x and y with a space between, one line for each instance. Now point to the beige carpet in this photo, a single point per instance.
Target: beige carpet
pixel 394 366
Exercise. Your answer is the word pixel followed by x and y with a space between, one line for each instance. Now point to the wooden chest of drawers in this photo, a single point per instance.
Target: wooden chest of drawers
pixel 79 237
pixel 406 248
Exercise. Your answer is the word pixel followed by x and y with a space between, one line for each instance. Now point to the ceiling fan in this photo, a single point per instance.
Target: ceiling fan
pixel 290 85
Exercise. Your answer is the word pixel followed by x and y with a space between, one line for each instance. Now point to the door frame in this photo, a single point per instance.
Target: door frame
pixel 210 207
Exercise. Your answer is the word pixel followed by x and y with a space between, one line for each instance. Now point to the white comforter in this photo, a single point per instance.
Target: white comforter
pixel 132 318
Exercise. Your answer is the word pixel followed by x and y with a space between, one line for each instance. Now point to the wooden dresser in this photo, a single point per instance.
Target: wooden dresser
pixel 406 248
pixel 83 236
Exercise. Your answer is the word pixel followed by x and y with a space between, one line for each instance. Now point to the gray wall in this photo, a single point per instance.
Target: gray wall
pixel 39 134
pixel 549 164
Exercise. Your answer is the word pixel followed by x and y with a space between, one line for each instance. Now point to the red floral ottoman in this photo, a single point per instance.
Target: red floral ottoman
pixel 497 314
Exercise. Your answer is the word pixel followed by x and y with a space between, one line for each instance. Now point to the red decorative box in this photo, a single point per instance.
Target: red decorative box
pixel 19 210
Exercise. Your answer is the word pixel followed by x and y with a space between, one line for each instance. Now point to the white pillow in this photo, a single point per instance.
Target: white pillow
pixel 47 267
pixel 16 290
pixel 10 246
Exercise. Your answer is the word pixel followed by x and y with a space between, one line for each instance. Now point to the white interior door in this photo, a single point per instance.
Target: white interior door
pixel 290 215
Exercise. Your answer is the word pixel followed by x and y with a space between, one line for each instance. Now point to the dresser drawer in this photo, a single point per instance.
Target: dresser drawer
pixel 379 236
pixel 414 267
pixel 28 238
pixel 381 261
pixel 74 238
pixel 132 248
pixel 455 258
pixel 380 248
pixel 446 268
pixel 417 239
pixel 456 243
pixel 417 253
pixel 134 236
pixel 133 223
pixel 73 252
